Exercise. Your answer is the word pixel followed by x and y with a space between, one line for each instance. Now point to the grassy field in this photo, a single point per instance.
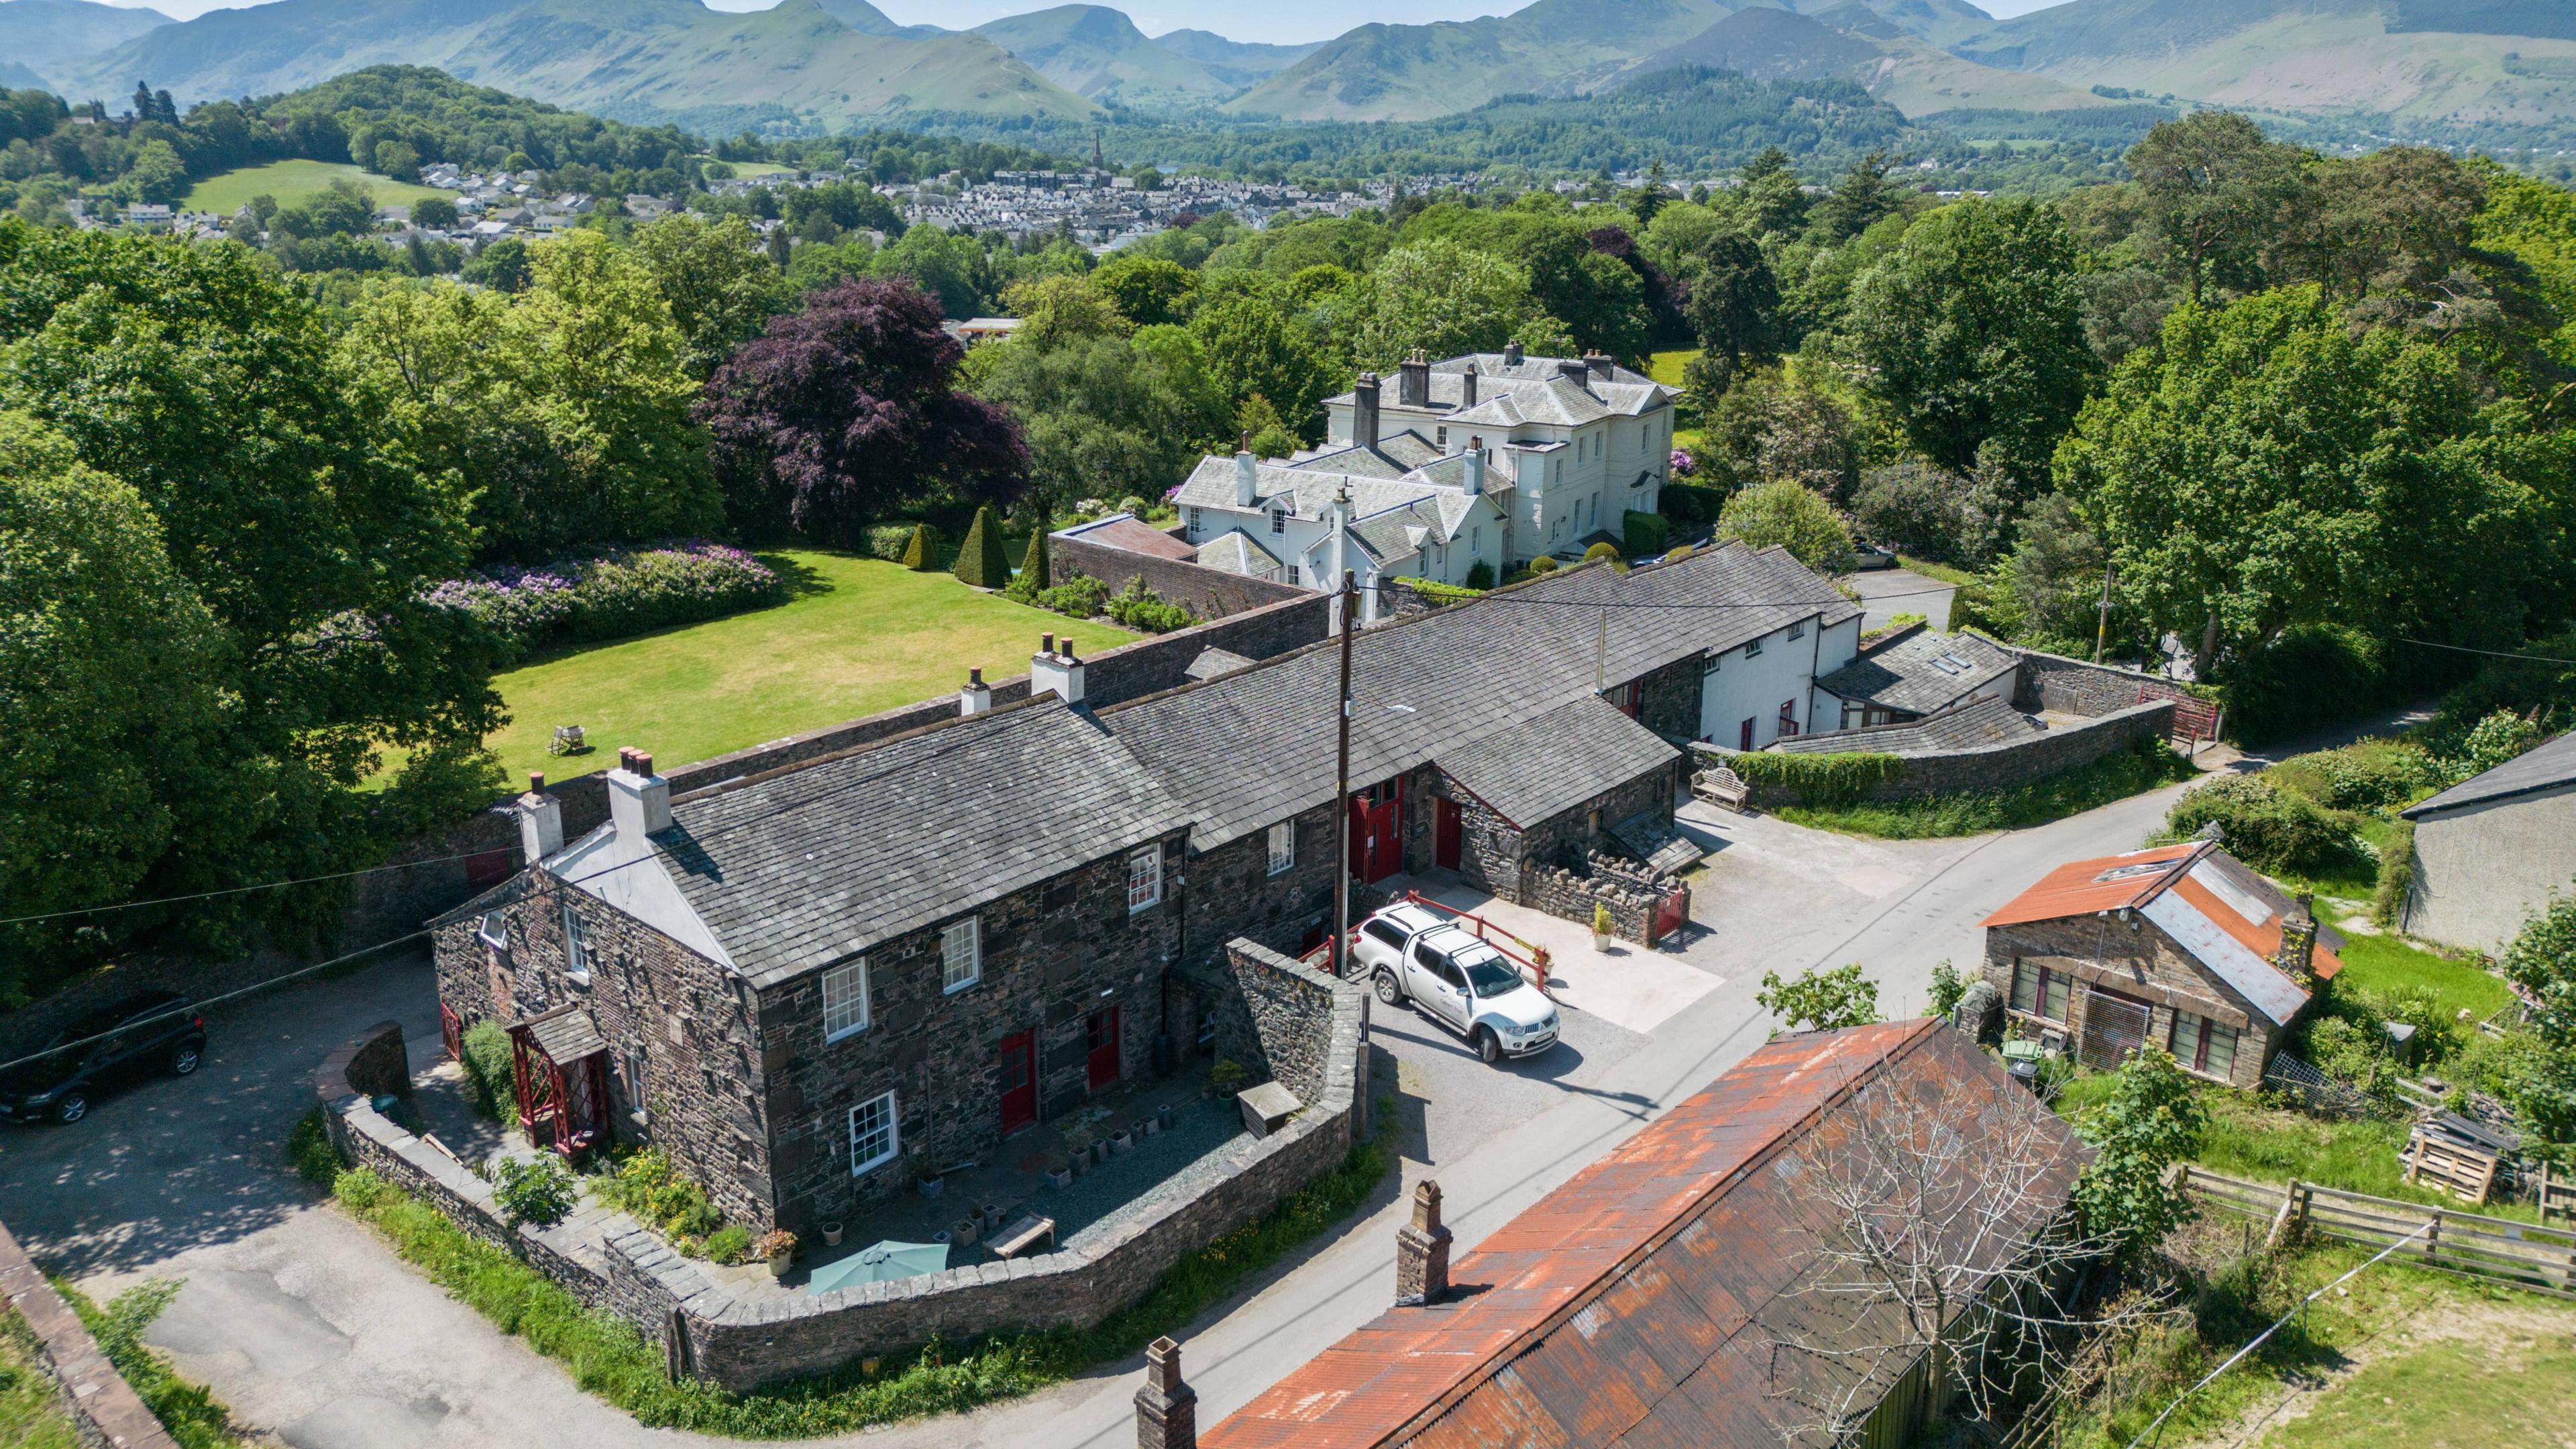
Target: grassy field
pixel 1666 367
pixel 294 181
pixel 2447 1396
pixel 2378 963
pixel 861 636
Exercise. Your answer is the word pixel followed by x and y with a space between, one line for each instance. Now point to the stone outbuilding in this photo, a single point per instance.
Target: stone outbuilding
pixel 2491 850
pixel 2182 947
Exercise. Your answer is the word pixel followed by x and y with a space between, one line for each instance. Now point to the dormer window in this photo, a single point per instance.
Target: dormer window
pixel 1278 520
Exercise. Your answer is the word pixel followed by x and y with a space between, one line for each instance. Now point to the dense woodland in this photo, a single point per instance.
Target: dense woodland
pixel 2308 416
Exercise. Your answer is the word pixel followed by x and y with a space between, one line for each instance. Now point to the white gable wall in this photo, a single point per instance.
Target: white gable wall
pixel 1738 686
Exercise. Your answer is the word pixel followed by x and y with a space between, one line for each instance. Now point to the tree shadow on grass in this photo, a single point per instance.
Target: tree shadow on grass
pixel 801 579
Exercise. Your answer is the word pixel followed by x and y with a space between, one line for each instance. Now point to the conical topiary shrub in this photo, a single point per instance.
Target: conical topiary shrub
pixel 922 554
pixel 980 560
pixel 1033 568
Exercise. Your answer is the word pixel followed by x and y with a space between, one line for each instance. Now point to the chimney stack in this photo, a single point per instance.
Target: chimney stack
pixel 2298 955
pixel 1574 369
pixel 1422 1252
pixel 1467 387
pixel 1511 354
pixel 1247 476
pixel 1364 411
pixel 540 820
pixel 1056 671
pixel 1475 466
pixel 639 801
pixel 977 697
pixel 1167 1410
pixel 1599 363
pixel 1413 381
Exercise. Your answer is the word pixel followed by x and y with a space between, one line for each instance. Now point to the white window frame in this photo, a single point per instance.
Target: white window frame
pixel 1283 847
pixel 1194 521
pixel 1752 648
pixel 494 931
pixel 891 1128
pixel 1145 869
pixel 576 949
pixel 1278 522
pixel 1798 630
pixel 852 980
pixel 962 939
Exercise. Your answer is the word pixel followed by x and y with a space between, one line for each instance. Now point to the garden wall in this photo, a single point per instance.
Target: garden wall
pixel 2073 686
pixel 1984 769
pixel 105 1411
pixel 1206 592
pixel 741 1338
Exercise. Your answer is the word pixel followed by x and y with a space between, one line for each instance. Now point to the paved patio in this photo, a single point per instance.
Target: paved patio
pixel 1628 985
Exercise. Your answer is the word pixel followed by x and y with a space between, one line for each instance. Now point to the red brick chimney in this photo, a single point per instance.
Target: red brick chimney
pixel 1167 1410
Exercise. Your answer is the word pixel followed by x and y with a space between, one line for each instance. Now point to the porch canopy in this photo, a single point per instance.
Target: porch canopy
pixel 562 1070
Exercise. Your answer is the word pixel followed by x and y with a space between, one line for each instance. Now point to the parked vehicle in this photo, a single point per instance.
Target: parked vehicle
pixel 1414 954
pixel 149 1033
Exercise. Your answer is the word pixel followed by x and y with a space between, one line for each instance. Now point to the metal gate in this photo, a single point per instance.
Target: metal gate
pixel 2114 1027
pixel 2194 720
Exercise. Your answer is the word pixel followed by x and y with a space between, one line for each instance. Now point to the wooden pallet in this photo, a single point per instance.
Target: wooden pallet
pixel 2456 1168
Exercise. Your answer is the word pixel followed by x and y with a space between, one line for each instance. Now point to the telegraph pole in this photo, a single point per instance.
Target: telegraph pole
pixel 1342 792
pixel 2102 633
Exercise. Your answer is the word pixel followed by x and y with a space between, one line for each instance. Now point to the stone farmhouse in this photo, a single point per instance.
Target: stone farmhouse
pixel 2182 947
pixel 814 984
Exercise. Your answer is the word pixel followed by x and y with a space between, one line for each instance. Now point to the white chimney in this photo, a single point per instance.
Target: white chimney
pixel 1475 467
pixel 540 820
pixel 1056 671
pixel 639 801
pixel 977 697
pixel 1247 479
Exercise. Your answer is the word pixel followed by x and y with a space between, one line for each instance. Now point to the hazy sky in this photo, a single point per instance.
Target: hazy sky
pixel 1239 19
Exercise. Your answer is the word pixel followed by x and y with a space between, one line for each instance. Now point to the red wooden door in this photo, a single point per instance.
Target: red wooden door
pixel 1019 1081
pixel 1445 844
pixel 1671 911
pixel 1100 1034
pixel 1377 831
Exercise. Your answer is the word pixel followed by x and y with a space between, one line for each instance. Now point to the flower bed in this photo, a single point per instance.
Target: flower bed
pixel 613 595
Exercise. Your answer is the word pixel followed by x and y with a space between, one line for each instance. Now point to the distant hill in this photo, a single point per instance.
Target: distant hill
pixel 1860 44
pixel 674 61
pixel 42 41
pixel 1092 50
pixel 2435 67
pixel 1235 62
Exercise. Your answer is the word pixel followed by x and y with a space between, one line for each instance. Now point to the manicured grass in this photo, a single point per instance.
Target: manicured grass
pixel 608 1358
pixel 2114 777
pixel 294 181
pixel 748 170
pixel 2447 1396
pixel 861 636
pixel 1666 367
pixel 2380 963
pixel 31 1413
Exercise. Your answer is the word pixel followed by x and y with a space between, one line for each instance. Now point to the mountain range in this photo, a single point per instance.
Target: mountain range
pixel 2432 67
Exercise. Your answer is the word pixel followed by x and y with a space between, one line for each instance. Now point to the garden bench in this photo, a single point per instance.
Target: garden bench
pixel 1028 1235
pixel 1719 785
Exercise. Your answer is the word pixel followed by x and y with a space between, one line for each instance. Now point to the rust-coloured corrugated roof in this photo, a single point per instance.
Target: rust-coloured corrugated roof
pixel 2107 883
pixel 1636 1305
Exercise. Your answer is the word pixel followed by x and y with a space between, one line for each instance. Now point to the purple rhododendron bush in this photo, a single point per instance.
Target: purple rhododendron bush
pixel 612 595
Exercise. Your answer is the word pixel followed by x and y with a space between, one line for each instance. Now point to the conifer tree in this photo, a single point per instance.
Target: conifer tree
pixel 980 560
pixel 921 555
pixel 1034 574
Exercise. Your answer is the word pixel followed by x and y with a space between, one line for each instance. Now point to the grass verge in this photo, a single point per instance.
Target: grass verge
pixel 297 181
pixel 31 1408
pixel 194 1416
pixel 606 1356
pixel 2088 787
pixel 1940 572
pixel 2446 1396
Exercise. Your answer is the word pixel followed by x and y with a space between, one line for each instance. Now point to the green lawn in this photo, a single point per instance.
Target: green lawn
pixel 2377 963
pixel 294 181
pixel 862 636
pixel 1666 367
pixel 2495 1391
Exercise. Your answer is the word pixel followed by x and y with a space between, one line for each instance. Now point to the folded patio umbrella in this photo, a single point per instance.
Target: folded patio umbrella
pixel 878 1262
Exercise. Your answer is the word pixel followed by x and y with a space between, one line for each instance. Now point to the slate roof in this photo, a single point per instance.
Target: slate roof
pixel 1546 394
pixel 1638 1304
pixel 1125 530
pixel 2212 904
pixel 812 864
pixel 1427 687
pixel 1919 671
pixel 1389 457
pixel 1553 762
pixel 1213 662
pixel 1238 552
pixel 1391 517
pixel 2546 767
pixel 1978 724
pixel 566 1034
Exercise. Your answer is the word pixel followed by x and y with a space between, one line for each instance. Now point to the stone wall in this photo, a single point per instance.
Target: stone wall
pixel 1668 698
pixel 1987 768
pixel 104 1409
pixel 1208 593
pixel 740 1338
pixel 1629 891
pixel 2073 686
pixel 2135 960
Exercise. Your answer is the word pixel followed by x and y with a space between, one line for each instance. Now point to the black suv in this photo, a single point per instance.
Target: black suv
pixel 145 1034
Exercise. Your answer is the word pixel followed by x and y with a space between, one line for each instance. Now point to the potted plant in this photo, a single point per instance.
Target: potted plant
pixel 1227 1076
pixel 1122 1141
pixel 1601 927
pixel 1077 1142
pixel 931 1184
pixel 831 1235
pixel 779 1246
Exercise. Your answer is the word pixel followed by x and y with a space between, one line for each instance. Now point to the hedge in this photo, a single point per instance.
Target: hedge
pixel 1690 504
pixel 1439 595
pixel 1645 534
pixel 980 560
pixel 921 553
pixel 1836 779
pixel 611 595
pixel 1033 564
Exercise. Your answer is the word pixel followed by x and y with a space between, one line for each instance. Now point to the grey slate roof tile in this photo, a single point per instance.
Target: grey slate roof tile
pixel 1919 671
pixel 1972 726
pixel 1553 762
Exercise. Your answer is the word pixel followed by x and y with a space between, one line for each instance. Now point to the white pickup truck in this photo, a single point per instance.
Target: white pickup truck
pixel 1414 954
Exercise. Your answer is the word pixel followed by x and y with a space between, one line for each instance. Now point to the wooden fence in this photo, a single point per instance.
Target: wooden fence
pixel 2526 1255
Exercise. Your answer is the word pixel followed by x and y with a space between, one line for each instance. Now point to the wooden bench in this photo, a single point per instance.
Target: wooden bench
pixel 569 740
pixel 1028 1235
pixel 1719 785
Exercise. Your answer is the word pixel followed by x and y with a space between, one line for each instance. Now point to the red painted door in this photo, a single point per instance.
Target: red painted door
pixel 1377 831
pixel 1019 1081
pixel 1445 833
pixel 1100 1034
